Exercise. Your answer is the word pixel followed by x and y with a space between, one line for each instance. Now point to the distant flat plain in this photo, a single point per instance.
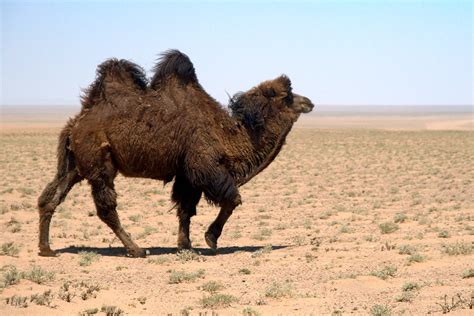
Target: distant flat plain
pixel 324 116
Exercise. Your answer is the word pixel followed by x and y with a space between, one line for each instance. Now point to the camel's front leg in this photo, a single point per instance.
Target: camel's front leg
pixel 215 229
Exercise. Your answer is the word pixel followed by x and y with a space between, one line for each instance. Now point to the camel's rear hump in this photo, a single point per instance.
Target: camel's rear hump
pixel 114 76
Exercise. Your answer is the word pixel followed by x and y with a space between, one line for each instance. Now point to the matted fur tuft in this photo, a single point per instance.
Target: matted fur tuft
pixel 248 111
pixel 173 62
pixel 123 71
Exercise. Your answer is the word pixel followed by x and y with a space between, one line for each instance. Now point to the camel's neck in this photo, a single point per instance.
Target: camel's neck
pixel 264 148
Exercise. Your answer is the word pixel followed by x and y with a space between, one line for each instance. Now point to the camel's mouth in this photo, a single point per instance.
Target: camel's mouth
pixel 307 107
pixel 304 105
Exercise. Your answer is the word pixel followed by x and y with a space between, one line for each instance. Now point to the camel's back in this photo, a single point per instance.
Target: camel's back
pixel 149 134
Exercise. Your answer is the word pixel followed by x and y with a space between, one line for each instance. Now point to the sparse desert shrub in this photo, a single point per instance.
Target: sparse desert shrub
pixel 87 257
pixel 89 312
pixel 182 276
pixel 457 301
pixel 385 272
pixel 400 218
pixel 217 300
pixel 279 290
pixel 416 257
pixel 405 297
pixel 388 227
pixel 83 289
pixel 248 311
pixel 407 250
pixel 9 249
pixel 468 274
pixel 380 310
pixel 212 286
pixel 458 248
pixel 186 255
pixel 44 299
pixel 410 286
pixel 38 275
pixel 444 234
pixel 17 301
pixel 111 310
pixel 10 276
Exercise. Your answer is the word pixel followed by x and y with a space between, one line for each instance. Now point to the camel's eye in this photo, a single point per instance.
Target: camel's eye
pixel 288 99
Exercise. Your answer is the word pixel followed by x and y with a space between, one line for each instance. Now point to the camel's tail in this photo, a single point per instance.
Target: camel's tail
pixel 173 63
pixel 114 75
pixel 66 160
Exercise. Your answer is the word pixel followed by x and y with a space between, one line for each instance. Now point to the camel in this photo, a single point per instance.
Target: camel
pixel 168 128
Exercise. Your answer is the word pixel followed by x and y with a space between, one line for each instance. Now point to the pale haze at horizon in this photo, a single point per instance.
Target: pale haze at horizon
pixel 338 52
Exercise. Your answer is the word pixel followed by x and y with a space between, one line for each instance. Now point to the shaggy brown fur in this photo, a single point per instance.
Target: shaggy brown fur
pixel 168 129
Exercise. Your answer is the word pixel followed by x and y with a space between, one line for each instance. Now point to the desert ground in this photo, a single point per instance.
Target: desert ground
pixel 366 214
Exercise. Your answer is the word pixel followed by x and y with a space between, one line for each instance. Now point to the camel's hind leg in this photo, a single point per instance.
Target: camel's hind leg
pixel 105 200
pixel 186 198
pixel 54 193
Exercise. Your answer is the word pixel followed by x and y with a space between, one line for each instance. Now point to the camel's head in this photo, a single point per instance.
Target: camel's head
pixel 270 98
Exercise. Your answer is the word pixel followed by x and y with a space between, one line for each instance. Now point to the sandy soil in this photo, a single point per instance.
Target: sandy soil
pixel 351 218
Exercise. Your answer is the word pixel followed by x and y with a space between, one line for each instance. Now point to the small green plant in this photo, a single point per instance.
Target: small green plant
pixel 388 227
pixel 89 312
pixel 10 276
pixel 380 310
pixel 87 257
pixel 400 218
pixel 407 250
pixel 405 297
pixel 38 275
pixel 244 271
pixel 385 272
pixel 9 249
pixel 458 248
pixel 444 234
pixel 217 300
pixel 279 290
pixel 111 310
pixel 248 311
pixel 17 301
pixel 212 286
pixel 182 276
pixel 44 299
pixel 416 257
pixel 468 274
pixel 410 286
pixel 186 255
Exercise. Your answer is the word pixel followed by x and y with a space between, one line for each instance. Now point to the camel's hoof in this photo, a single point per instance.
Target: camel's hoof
pixel 211 241
pixel 184 245
pixel 47 252
pixel 137 253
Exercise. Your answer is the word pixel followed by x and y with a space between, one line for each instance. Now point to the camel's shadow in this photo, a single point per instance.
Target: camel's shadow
pixel 154 251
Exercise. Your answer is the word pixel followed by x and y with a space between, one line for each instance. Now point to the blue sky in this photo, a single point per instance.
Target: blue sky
pixel 335 52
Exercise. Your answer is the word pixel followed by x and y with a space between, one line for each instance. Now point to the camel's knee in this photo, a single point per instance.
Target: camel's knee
pixel 47 196
pixel 105 197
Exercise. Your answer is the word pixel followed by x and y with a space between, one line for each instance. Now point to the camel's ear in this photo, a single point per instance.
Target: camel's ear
pixel 285 83
pixel 286 93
